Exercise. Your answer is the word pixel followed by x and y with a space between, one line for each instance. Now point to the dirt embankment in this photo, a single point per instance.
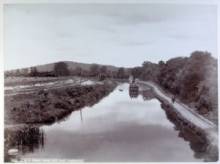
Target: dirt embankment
pixel 47 106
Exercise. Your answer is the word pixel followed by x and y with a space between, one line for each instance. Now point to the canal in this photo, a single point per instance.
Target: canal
pixel 118 128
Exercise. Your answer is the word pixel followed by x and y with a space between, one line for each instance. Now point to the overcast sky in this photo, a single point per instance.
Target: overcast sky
pixel 121 35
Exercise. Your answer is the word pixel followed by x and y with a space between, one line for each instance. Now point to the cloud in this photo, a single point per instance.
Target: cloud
pixel 106 33
pixel 137 43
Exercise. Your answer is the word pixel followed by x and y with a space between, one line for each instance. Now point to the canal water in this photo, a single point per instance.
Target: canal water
pixel 118 128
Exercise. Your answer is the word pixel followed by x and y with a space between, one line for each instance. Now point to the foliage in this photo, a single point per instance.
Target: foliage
pixel 78 71
pixel 121 73
pixel 94 69
pixel 136 72
pixel 193 80
pixel 61 69
pixel 33 71
pixel 103 70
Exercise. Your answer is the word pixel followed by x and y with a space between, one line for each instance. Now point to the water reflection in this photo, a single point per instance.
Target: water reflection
pixel 135 91
pixel 24 139
pixel 81 115
pixel 196 137
pixel 115 129
pixel 147 94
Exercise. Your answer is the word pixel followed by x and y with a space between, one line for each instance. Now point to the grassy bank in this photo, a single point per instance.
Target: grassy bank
pixel 47 106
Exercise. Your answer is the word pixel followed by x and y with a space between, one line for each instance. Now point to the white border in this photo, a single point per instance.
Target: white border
pixel 205 2
pixel 1 84
pixel 3 2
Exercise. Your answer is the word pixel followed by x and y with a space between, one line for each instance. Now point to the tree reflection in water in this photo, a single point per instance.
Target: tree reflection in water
pixel 195 136
pixel 24 139
pixel 28 138
pixel 147 94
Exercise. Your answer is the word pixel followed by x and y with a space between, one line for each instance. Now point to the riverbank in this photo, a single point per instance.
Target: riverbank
pixel 181 108
pixel 48 106
pixel 198 140
pixel 120 127
pixel 192 127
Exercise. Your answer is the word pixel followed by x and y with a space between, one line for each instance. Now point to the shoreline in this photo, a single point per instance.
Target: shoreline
pixel 48 106
pixel 189 130
pixel 165 99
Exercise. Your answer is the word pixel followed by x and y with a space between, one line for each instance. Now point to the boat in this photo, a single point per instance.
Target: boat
pixel 133 90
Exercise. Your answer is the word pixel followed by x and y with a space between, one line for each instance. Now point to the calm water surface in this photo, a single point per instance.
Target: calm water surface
pixel 118 128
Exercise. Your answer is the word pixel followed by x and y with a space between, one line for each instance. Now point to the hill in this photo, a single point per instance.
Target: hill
pixel 72 66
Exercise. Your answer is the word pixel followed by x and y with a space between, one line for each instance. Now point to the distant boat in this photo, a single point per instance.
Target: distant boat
pixel 133 90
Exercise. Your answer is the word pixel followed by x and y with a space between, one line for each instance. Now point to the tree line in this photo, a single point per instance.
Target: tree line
pixel 62 69
pixel 192 79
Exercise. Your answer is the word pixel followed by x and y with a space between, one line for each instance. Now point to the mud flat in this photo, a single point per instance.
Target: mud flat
pixel 48 106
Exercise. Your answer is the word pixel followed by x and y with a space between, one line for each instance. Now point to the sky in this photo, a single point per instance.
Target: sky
pixel 114 34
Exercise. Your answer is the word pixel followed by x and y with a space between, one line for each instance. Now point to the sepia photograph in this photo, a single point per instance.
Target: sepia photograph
pixel 110 82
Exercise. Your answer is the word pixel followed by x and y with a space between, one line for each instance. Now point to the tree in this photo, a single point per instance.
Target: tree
pixel 94 69
pixel 33 71
pixel 17 72
pixel 121 72
pixel 78 71
pixel 148 71
pixel 136 72
pixel 103 69
pixel 161 63
pixel 61 69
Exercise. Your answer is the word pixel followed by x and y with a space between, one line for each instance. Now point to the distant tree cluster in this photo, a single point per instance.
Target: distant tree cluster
pixel 148 71
pixel 100 71
pixel 121 73
pixel 33 71
pixel 94 70
pixel 17 72
pixel 192 79
pixel 61 69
